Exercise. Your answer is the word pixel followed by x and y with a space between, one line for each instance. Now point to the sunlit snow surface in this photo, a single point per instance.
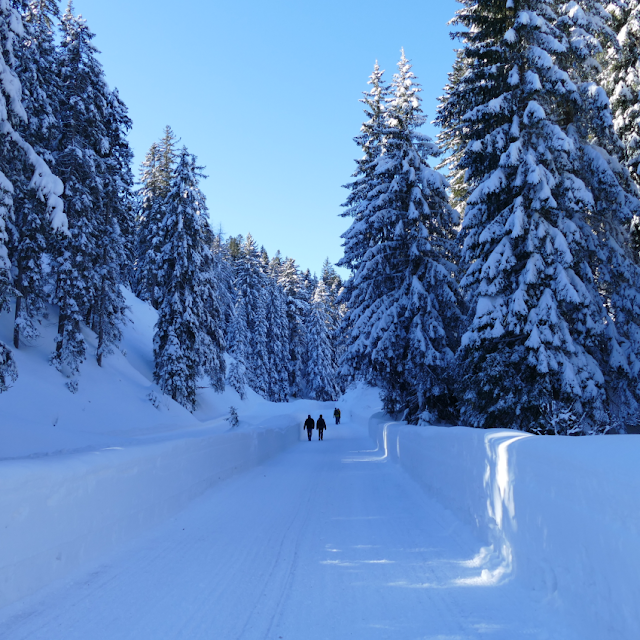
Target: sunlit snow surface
pixel 327 540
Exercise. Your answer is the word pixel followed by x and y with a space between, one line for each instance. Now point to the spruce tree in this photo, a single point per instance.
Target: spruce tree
pixel 540 352
pixel 621 79
pixel 223 270
pixel 251 284
pixel 120 200
pixel 321 371
pixel 89 160
pixel 188 340
pixel 335 308
pixel 401 302
pixel 238 337
pixel 278 364
pixel 296 311
pixel 13 145
pixel 41 96
pixel 157 169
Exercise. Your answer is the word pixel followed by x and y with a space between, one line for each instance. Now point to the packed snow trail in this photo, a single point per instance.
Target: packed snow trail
pixel 327 541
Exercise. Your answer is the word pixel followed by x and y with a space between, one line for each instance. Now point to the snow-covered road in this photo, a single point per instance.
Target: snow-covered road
pixel 327 541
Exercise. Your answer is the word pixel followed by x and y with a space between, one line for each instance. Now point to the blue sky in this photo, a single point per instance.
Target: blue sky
pixel 266 95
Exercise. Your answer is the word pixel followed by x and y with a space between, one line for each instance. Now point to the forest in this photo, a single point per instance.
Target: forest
pixel 494 272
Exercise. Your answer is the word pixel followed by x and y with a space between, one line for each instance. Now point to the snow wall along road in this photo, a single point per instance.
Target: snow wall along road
pixel 60 512
pixel 560 515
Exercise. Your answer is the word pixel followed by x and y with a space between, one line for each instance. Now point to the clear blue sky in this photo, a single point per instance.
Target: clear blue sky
pixel 266 95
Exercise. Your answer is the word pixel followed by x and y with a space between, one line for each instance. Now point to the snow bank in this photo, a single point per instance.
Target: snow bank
pixel 559 515
pixel 60 512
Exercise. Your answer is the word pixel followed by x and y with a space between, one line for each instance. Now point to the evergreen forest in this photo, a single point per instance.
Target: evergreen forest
pixel 494 272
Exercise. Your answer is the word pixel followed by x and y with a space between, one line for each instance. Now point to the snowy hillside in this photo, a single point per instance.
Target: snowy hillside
pixel 115 404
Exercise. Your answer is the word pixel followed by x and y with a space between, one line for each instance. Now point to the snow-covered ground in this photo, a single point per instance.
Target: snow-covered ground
pixel 122 518
pixel 328 540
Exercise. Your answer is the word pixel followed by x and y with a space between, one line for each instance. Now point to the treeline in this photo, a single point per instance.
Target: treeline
pixel 74 229
pixel 279 325
pixel 509 295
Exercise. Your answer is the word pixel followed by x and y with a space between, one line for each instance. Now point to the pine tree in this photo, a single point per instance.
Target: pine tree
pixel 251 283
pixel 120 198
pixel 401 303
pixel 43 182
pixel 238 336
pixel 89 160
pixel 480 74
pixel 370 140
pixel 539 343
pixel 223 270
pixel 278 364
pixel 157 170
pixel 296 311
pixel 188 339
pixel 321 372
pixel 621 80
pixel 336 310
pixel 41 97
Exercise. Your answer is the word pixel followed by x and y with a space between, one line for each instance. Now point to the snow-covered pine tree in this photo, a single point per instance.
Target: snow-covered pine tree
pixel 237 339
pixel 44 183
pixel 223 269
pixel 251 283
pixel 479 74
pixel 156 172
pixel 321 372
pixel 366 181
pixel 120 198
pixel 614 216
pixel 40 96
pixel 540 343
pixel 331 278
pixel 88 260
pixel 188 340
pixel 401 313
pixel 297 311
pixel 621 80
pixel 212 342
pixel 369 140
pixel 334 287
pixel 116 223
pixel 449 138
pixel 278 364
pixel 308 284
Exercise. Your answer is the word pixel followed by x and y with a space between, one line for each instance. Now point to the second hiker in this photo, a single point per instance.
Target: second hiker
pixel 321 425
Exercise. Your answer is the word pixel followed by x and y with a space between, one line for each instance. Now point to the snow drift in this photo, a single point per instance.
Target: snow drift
pixel 60 512
pixel 560 515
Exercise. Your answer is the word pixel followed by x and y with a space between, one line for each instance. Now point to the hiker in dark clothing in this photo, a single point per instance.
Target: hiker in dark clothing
pixel 308 425
pixel 321 425
pixel 336 415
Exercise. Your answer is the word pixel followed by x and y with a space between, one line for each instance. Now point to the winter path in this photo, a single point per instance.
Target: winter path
pixel 329 540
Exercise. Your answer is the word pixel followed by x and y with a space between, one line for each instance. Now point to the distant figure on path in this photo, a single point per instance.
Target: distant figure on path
pixel 336 415
pixel 321 425
pixel 308 425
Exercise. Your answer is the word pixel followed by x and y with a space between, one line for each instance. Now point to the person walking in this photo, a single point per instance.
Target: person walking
pixel 336 415
pixel 308 425
pixel 321 426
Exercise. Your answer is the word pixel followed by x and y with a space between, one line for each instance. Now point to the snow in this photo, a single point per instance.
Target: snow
pixel 559 517
pixel 327 540
pixel 123 520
